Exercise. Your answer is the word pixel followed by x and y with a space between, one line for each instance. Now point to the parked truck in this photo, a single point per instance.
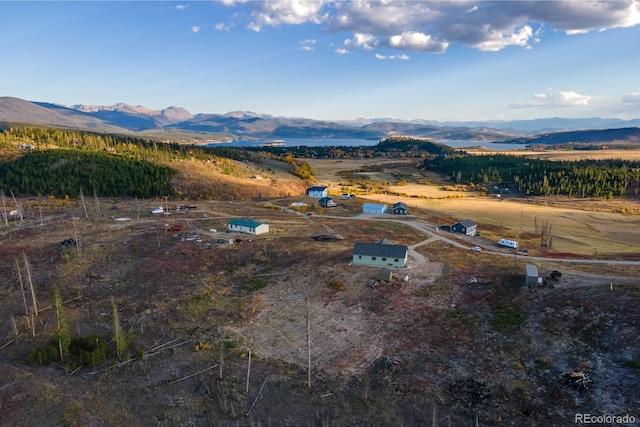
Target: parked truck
pixel 508 243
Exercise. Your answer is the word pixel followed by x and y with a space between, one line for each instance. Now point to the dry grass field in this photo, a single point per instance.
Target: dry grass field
pixel 586 227
pixel 612 153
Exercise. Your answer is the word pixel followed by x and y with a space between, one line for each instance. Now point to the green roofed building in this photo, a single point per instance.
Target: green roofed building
pixel 248 226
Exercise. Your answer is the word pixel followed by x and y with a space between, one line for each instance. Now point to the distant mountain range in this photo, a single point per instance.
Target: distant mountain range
pixel 176 122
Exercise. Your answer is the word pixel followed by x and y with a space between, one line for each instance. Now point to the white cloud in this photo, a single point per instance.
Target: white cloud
pixel 221 26
pixel 341 51
pixel 417 42
pixel 359 41
pixel 555 99
pixel 195 29
pixel 275 13
pixel 308 44
pixel 497 40
pixel 365 41
pixel 432 26
pixel 182 6
pixel 631 99
pixel 383 57
pixel 572 99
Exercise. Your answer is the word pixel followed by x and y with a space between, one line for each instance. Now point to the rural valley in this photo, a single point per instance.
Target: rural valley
pixel 134 309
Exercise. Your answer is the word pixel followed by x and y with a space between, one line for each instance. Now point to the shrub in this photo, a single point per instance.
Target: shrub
pixel 506 318
pixel 337 285
pixel 253 284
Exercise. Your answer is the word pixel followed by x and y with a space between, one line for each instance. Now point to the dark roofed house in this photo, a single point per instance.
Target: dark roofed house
pixel 380 255
pixel 327 202
pixel 467 227
pixel 400 208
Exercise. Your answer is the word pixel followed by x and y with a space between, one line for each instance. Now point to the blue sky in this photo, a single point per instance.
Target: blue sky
pixel 322 59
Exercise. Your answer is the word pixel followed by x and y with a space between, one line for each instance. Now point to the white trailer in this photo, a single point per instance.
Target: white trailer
pixel 508 243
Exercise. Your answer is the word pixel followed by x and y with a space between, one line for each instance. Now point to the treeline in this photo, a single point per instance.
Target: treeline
pixel 584 178
pixel 389 147
pixel 301 169
pixel 65 172
pixel 135 147
pixel 412 147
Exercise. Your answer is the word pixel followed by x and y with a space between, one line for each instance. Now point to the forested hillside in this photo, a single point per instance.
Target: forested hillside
pixel 65 173
pixel 62 162
pixel 139 148
pixel 585 178
pixel 398 146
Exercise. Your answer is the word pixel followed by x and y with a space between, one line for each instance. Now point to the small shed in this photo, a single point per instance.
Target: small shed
pixel 374 208
pixel 400 208
pixel 532 279
pixel 384 274
pixel 327 202
pixel 317 191
pixel 467 227
pixel 248 226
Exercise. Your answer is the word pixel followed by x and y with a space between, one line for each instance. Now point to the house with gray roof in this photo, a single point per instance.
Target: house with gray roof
pixel 380 255
pixel 467 227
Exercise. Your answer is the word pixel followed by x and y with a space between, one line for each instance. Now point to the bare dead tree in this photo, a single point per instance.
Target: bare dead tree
pixel 75 233
pixel 15 327
pixel 257 396
pixel 545 234
pixel 97 202
pixel 4 209
pixel 84 205
pixel 18 206
pixel 118 336
pixel 63 329
pixel 221 358
pixel 33 291
pixel 248 369
pixel 308 346
pixel 24 296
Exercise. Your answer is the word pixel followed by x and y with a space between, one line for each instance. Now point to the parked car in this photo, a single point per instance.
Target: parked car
pixel 476 248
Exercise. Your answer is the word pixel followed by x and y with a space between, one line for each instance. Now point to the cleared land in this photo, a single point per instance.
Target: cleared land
pixel 460 340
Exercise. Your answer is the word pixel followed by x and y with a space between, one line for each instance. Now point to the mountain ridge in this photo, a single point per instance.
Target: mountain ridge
pixel 125 118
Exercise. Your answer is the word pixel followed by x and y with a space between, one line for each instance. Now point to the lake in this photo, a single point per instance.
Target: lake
pixel 310 142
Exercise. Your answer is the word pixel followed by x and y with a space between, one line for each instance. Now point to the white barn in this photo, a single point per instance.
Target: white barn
pixel 374 208
pixel 247 226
